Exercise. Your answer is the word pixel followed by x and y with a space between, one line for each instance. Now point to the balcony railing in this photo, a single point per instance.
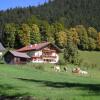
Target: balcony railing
pixel 48 57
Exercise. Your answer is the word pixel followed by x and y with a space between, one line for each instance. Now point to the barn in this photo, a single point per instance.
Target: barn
pixel 14 57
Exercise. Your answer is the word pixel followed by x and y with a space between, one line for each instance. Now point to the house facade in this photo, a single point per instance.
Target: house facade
pixel 13 57
pixel 42 53
pixel 1 49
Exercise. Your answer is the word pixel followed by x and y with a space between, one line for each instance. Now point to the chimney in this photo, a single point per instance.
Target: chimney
pixel 30 46
pixel 35 45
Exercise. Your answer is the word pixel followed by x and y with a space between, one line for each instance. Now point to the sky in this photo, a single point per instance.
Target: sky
pixel 5 4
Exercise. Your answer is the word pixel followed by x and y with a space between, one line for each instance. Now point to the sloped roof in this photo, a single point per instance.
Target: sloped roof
pixel 18 54
pixel 1 47
pixel 36 47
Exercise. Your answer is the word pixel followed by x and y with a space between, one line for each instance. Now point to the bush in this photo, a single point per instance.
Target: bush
pixel 61 62
pixel 80 62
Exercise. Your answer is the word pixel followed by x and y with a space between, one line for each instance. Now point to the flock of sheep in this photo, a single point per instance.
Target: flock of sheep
pixel 74 70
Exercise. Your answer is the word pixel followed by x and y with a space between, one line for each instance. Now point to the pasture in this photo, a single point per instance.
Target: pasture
pixel 46 84
pixel 90 57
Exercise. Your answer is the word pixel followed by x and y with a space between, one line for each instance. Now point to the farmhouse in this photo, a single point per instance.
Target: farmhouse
pixel 1 49
pixel 14 57
pixel 45 52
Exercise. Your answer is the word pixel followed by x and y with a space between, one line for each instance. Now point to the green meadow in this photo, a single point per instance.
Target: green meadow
pixel 48 85
pixel 90 57
pixel 43 83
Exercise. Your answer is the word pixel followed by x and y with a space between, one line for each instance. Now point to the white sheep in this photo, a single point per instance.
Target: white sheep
pixel 83 72
pixel 57 68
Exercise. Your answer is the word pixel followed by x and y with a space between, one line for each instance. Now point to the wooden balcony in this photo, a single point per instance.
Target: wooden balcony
pixel 48 57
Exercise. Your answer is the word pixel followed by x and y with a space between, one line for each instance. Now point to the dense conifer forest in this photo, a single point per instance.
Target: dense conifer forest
pixel 57 21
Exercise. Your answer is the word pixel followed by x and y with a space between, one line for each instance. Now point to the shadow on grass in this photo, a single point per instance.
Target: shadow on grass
pixel 4 93
pixel 6 86
pixel 91 87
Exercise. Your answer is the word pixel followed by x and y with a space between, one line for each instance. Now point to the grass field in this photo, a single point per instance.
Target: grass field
pixel 90 57
pixel 45 84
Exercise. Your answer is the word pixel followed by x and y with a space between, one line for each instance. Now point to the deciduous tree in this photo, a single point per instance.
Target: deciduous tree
pixel 61 39
pixel 9 35
pixel 92 44
pixel 92 32
pixel 98 41
pixel 24 33
pixel 82 33
pixel 75 37
pixel 35 36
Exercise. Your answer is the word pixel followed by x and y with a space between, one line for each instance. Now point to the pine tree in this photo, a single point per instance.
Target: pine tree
pixel 71 52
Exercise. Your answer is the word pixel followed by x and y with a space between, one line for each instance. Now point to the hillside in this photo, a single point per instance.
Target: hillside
pixel 71 12
pixel 90 57
pixel 78 19
pixel 18 81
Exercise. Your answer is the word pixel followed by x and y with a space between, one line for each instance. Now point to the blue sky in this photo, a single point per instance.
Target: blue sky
pixel 5 4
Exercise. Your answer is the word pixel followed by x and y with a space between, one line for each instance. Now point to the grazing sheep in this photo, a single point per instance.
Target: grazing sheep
pixel 57 68
pixel 79 71
pixel 83 72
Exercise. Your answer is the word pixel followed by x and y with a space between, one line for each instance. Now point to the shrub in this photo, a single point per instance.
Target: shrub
pixel 61 62
pixel 80 62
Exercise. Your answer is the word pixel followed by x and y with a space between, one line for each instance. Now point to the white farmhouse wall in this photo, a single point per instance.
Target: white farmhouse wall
pixel 38 53
pixel 1 54
pixel 53 54
pixel 57 58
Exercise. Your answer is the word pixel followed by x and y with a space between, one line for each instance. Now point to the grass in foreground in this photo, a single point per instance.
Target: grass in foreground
pixel 48 85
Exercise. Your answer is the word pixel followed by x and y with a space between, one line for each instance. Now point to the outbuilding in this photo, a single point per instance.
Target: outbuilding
pixel 14 57
pixel 1 49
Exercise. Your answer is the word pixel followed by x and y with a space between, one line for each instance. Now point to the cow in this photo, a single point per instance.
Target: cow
pixel 79 71
pixel 83 72
pixel 76 70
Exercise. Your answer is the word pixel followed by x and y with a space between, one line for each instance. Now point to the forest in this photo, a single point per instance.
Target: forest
pixel 58 21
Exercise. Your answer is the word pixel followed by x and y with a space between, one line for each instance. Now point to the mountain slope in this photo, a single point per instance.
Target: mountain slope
pixel 68 12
